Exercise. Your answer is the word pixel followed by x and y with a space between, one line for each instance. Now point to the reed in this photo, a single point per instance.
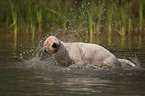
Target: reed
pixel 123 24
pixel 85 19
pixel 14 19
pixel 99 14
pixel 140 42
pixel 129 26
pixel 90 26
pixel 123 21
pixel 110 16
pixel 141 15
pixel 33 34
pixel 39 18
pixel 129 19
pixel 29 16
pixel 97 9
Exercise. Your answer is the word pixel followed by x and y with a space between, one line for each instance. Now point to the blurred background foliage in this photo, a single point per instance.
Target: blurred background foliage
pixel 84 18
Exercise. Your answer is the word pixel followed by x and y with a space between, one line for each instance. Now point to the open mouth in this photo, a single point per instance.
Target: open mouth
pixel 46 51
pixel 49 52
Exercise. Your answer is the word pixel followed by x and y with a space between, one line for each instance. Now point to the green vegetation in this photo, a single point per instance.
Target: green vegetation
pixel 88 17
pixel 141 15
pixel 110 15
pixel 14 23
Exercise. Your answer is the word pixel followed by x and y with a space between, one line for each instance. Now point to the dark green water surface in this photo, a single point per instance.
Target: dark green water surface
pixel 19 77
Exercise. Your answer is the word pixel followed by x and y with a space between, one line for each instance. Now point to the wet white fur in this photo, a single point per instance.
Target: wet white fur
pixel 85 53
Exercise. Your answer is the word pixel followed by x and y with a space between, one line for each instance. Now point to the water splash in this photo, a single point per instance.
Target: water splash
pixel 42 61
pixel 136 61
pixel 38 55
pixel 33 55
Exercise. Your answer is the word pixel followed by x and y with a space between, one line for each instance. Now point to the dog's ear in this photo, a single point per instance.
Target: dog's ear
pixel 54 45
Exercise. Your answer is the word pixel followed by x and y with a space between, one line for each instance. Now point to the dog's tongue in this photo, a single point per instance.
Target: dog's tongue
pixel 48 53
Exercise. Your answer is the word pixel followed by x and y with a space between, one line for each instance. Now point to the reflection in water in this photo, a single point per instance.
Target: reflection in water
pixel 96 82
pixel 43 78
pixel 85 84
pixel 122 41
pixel 140 42
pixel 74 84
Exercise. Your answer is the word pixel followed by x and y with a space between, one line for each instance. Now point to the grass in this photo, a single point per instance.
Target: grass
pixel 123 21
pixel 88 17
pixel 141 15
pixel 110 17
pixel 90 26
pixel 14 19
pixel 99 14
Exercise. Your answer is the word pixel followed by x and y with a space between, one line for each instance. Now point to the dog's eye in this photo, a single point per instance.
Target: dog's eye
pixel 54 45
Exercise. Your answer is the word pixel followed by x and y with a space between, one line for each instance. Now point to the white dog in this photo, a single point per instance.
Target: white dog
pixel 81 53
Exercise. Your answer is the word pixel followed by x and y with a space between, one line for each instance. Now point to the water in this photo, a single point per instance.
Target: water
pixel 20 75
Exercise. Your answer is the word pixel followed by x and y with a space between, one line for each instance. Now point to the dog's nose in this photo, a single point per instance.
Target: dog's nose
pixel 54 45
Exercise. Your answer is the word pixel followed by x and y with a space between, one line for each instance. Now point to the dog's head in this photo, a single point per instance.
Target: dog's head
pixel 51 45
